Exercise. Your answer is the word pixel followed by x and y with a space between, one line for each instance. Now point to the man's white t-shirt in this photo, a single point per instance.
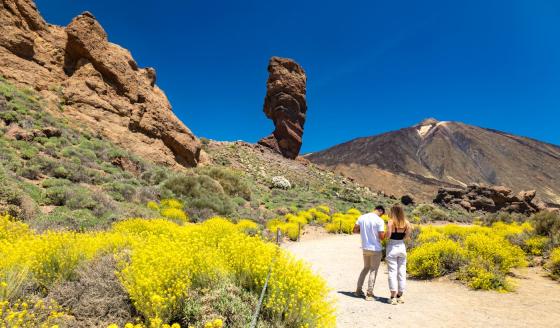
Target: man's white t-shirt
pixel 370 226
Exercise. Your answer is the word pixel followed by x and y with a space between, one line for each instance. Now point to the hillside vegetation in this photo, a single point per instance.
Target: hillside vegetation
pixel 59 176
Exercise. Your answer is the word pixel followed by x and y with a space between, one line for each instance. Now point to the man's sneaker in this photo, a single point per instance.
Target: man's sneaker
pixel 370 297
pixel 400 299
pixel 394 301
pixel 359 293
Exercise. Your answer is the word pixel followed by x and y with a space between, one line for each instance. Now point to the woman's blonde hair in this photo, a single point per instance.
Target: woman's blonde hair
pixel 397 215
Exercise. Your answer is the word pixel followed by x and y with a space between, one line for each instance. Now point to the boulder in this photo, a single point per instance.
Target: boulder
pixel 100 83
pixel 476 197
pixel 286 106
pixel 527 196
pixel 51 132
pixel 15 132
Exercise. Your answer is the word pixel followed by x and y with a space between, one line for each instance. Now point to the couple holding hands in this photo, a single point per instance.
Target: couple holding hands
pixel 371 227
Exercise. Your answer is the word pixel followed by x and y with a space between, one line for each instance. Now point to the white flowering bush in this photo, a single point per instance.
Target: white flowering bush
pixel 281 182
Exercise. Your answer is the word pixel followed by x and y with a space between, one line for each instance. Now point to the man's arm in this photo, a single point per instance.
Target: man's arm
pixel 381 230
pixel 381 235
pixel 356 228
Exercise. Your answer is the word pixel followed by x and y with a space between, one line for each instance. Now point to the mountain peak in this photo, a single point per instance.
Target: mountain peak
pixel 428 121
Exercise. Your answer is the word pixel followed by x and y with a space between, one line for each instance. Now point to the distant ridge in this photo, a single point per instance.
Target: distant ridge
pixel 419 159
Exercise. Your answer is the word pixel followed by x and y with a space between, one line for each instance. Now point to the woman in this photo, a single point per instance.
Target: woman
pixel 398 228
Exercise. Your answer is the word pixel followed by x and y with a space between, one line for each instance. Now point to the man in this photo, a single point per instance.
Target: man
pixel 372 230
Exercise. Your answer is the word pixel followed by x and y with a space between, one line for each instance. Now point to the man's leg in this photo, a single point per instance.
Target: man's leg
pixel 375 262
pixel 367 264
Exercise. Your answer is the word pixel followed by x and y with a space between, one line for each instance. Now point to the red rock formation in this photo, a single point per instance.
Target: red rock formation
pixel 286 106
pixel 489 199
pixel 100 83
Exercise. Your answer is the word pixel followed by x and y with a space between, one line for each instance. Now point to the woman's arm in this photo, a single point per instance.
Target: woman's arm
pixel 409 228
pixel 389 229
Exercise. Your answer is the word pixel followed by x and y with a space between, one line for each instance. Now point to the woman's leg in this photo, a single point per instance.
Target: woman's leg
pixel 401 273
pixel 392 268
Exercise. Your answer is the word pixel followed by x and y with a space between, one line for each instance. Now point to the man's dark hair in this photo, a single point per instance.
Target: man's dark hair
pixel 380 208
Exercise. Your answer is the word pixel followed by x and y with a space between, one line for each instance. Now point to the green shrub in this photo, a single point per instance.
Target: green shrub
pixel 54 182
pixel 64 217
pixel 55 195
pixel 492 218
pixel 230 181
pixel 155 175
pixel 33 191
pixel 429 212
pixel 121 191
pixel 219 203
pixel 225 300
pixel 547 224
pixel 192 186
pixel 80 198
pixel 200 192
pixel 60 172
pixel 32 172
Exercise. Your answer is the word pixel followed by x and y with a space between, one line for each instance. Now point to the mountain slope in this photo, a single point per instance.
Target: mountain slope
pixel 421 158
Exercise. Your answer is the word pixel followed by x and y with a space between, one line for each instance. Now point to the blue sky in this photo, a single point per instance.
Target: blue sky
pixel 372 66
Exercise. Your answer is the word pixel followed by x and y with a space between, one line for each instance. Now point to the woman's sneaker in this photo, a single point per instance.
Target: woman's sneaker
pixel 400 299
pixel 394 301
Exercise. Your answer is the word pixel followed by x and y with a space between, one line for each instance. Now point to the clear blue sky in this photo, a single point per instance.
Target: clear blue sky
pixel 372 65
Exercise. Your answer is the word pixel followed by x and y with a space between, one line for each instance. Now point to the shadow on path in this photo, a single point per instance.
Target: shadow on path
pixel 352 295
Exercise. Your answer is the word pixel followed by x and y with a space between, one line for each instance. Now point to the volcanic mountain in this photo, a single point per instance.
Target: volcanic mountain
pixel 419 159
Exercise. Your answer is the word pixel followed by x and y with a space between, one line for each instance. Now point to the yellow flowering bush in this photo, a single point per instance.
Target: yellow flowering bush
pixel 198 254
pixel 171 203
pixel 324 208
pixel 482 256
pixel 554 263
pixel 171 209
pixel 436 258
pixel 24 315
pixel 536 245
pixel 159 262
pixel 174 214
pixel 247 226
pixel 217 323
pixel 153 205
pixel 343 222
pixel 291 225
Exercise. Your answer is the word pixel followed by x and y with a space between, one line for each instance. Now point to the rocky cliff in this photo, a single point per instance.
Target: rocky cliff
pixel 92 82
pixel 286 106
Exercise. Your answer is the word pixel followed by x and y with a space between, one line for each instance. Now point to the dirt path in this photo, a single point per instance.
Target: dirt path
pixel 536 303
